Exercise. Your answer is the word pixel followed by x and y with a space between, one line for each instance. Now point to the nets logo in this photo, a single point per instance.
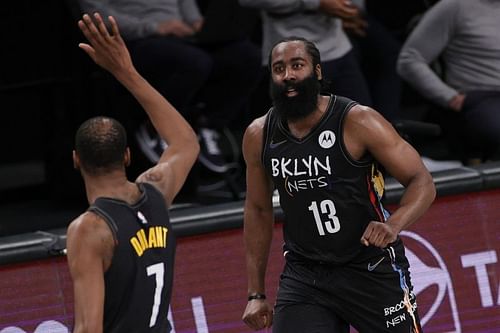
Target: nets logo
pixel 326 139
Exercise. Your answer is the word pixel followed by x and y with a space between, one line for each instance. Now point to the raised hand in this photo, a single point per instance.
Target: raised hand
pixel 108 50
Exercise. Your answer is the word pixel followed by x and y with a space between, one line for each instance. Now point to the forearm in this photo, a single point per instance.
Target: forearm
pixel 417 198
pixel 417 72
pixel 258 232
pixel 282 6
pixel 170 125
pixel 190 11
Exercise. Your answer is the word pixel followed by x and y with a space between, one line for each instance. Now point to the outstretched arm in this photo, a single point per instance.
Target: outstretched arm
pixel 258 227
pixel 109 51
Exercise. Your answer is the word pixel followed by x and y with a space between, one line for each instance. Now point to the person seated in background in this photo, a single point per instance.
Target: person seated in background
pixel 208 82
pixel 464 38
pixel 377 50
pixel 319 22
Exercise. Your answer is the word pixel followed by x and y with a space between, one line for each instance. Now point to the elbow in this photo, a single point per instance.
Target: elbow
pixel 432 191
pixel 196 149
pixel 430 188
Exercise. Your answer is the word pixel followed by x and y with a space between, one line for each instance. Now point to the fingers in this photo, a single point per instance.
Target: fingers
pixel 114 27
pixel 258 317
pixel 101 27
pixel 268 320
pixel 90 31
pixel 88 49
pixel 378 234
pixel 95 30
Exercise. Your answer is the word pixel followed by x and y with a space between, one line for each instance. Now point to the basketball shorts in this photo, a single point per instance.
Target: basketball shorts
pixel 371 295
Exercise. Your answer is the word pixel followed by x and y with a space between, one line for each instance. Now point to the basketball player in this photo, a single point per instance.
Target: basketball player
pixel 345 264
pixel 121 250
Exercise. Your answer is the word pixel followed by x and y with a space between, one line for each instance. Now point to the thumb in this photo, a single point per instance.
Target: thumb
pixel 88 49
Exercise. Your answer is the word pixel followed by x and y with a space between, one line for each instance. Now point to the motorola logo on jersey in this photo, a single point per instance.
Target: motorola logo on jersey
pixel 326 139
pixel 302 173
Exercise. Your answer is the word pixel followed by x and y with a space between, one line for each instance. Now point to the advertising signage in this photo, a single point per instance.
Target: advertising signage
pixel 454 252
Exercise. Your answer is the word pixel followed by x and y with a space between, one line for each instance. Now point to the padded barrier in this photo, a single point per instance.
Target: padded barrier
pixel 198 220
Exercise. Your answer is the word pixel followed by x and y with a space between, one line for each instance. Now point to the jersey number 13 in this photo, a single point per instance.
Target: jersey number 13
pixel 332 225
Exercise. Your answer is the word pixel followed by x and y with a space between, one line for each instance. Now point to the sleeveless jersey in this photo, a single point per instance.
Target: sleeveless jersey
pixel 327 197
pixel 138 283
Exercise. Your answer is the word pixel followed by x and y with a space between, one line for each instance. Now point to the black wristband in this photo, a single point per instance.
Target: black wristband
pixel 256 296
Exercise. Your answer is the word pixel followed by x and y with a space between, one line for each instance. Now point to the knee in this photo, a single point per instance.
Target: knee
pixel 198 66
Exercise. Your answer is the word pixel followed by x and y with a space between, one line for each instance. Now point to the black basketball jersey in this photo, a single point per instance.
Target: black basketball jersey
pixel 327 197
pixel 138 283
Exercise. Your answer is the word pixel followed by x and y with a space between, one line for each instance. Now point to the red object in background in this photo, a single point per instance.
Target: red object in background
pixel 454 251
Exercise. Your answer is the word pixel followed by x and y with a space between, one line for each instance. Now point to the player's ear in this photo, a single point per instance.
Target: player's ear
pixel 76 161
pixel 317 69
pixel 127 157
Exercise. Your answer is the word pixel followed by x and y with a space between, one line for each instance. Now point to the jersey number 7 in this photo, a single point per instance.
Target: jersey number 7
pixel 158 271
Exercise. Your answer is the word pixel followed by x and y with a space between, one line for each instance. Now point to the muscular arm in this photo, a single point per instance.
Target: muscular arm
pixel 90 247
pixel 365 130
pixel 258 226
pixel 424 45
pixel 110 52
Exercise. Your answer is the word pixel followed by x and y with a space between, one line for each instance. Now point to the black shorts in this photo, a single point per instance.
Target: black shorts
pixel 373 295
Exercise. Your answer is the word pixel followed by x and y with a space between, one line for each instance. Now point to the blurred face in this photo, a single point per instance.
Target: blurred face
pixel 294 81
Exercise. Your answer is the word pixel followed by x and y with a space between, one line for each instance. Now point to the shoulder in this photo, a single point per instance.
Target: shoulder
pixel 86 228
pixel 254 131
pixel 368 128
pixel 363 117
pixel 253 139
pixel 256 127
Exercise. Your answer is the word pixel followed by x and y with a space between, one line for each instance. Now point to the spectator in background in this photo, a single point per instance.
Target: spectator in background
pixel 209 83
pixel 464 37
pixel 320 22
pixel 377 50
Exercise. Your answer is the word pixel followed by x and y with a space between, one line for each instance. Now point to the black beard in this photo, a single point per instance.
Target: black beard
pixel 299 106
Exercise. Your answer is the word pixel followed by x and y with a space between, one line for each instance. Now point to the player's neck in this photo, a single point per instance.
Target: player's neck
pixel 114 185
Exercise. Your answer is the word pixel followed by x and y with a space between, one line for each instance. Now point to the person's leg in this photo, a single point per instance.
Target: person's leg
pixel 301 307
pixel 376 295
pixel 307 318
pixel 236 72
pixel 176 68
pixel 225 98
pixel 481 120
pixel 347 78
pixel 380 50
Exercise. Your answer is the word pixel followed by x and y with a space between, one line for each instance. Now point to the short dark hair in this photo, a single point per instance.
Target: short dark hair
pixel 100 143
pixel 311 49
